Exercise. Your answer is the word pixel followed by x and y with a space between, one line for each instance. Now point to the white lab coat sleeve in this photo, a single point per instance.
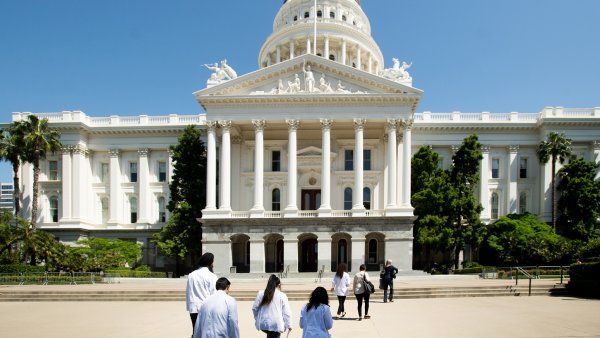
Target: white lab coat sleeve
pixel 197 330
pixel 233 327
pixel 287 313
pixel 255 306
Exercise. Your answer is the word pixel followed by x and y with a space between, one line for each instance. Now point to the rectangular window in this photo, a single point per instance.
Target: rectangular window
pixel 349 160
pixel 104 172
pixel 53 170
pixel 367 159
pixel 495 168
pixel 162 171
pixel 276 160
pixel 133 172
pixel 523 167
pixel 440 163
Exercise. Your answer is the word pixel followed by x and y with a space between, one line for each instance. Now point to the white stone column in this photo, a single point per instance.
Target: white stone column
pixel 358 209
pixel 406 167
pixel 257 255
pixel 292 187
pixel 258 209
pixel 278 54
pixel 370 63
pixel 170 164
pixel 292 49
pixel 308 49
pixel 324 254
pixel 326 47
pixel 511 180
pixel 67 179
pixel 225 167
pixel 344 51
pixel 115 187
pixel 358 252
pixel 358 57
pixel 78 158
pixel 546 192
pixel 399 164
pixel 325 208
pixel 596 151
pixel 290 254
pixel 484 189
pixel 391 162
pixel 211 170
pixel 143 186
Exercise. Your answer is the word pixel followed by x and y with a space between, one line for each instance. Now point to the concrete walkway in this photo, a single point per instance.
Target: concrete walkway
pixel 462 317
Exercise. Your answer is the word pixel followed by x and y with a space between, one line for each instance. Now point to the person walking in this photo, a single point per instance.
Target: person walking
pixel 271 310
pixel 218 315
pixel 341 285
pixel 387 279
pixel 201 284
pixel 360 291
pixel 315 317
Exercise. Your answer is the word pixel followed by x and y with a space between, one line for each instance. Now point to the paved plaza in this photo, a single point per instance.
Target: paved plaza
pixel 456 317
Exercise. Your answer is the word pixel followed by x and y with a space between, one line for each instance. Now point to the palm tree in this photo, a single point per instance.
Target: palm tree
pixel 556 147
pixel 40 140
pixel 11 150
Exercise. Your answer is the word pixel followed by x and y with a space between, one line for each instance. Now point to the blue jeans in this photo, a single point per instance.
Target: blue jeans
pixel 390 285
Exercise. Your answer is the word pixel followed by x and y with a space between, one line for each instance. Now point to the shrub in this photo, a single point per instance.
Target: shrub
pixel 585 279
pixel 590 250
pixel 19 268
pixel 468 265
pixel 128 273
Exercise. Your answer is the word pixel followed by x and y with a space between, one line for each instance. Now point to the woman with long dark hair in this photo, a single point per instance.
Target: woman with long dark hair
pixel 360 291
pixel 271 310
pixel 315 318
pixel 341 284
pixel 201 284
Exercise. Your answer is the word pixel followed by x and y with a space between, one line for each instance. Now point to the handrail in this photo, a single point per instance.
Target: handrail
pixel 320 275
pixel 526 274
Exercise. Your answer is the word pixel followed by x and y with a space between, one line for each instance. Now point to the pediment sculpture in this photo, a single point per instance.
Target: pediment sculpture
pixel 398 73
pixel 221 73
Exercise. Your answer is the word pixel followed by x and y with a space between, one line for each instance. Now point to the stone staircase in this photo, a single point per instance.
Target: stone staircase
pixel 24 295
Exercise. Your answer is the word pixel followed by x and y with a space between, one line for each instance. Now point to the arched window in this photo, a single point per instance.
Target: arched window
pixel 344 18
pixel 54 208
pixel 348 199
pixel 295 18
pixel 494 205
pixel 276 200
pixel 319 14
pixel 331 57
pixel 306 15
pixel 133 209
pixel 162 212
pixel 372 251
pixel 367 198
pixel 332 15
pixel 104 203
pixel 523 202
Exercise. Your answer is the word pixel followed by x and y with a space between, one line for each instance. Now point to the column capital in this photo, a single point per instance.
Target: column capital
pixel 407 123
pixel 326 123
pixel 455 148
pixel 170 152
pixel 391 124
pixel 236 139
pixel 513 148
pixel 143 152
pixel 211 125
pixel 485 148
pixel 293 125
pixel 596 145
pixel 79 149
pixel 66 149
pixel 114 152
pixel 359 124
pixel 259 125
pixel 225 124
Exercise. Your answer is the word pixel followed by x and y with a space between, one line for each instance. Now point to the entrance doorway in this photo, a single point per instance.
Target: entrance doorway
pixel 309 255
pixel 311 199
pixel 274 253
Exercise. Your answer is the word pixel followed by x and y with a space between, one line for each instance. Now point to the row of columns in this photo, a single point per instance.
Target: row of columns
pixel 292 207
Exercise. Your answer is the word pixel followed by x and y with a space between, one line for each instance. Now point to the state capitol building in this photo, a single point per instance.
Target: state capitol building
pixel 309 156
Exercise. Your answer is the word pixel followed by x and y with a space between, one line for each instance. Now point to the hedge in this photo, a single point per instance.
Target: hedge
pixel 127 273
pixel 20 268
pixel 585 279
pixel 52 279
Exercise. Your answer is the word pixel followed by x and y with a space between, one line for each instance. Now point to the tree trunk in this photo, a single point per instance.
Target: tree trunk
pixel 554 193
pixel 17 189
pixel 177 267
pixel 34 204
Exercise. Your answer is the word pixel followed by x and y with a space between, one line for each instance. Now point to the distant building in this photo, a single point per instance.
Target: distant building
pixel 7 193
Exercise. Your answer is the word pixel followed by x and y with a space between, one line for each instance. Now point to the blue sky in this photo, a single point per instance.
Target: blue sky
pixel 144 57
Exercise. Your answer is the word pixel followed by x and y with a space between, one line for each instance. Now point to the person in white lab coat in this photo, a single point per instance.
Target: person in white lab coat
pixel 271 310
pixel 218 317
pixel 341 285
pixel 201 284
pixel 315 318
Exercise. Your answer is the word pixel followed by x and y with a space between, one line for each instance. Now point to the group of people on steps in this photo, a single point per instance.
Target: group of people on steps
pixel 214 313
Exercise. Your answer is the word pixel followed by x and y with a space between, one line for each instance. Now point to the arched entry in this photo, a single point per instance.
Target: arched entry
pixel 240 253
pixel 375 251
pixel 341 250
pixel 274 253
pixel 308 253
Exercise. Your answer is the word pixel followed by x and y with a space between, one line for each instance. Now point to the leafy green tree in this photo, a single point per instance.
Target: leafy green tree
pixel 12 143
pixel 101 253
pixel 40 139
pixel 579 203
pixel 556 148
pixel 181 237
pixel 523 239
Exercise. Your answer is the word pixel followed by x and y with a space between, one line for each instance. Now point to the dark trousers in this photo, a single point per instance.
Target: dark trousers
pixel 359 299
pixel 272 334
pixel 341 300
pixel 193 317
pixel 390 285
